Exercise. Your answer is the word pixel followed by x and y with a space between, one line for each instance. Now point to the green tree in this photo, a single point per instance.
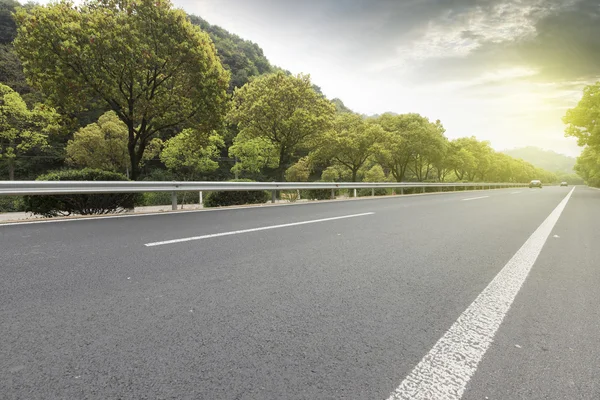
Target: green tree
pixel 142 59
pixel 350 143
pixel 299 172
pixel 191 154
pixel 375 174
pixel 22 129
pixel 100 145
pixel 412 144
pixel 283 112
pixel 253 154
pixel 583 121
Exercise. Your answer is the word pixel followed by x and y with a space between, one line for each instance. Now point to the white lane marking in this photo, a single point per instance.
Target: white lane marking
pixel 476 198
pixel 515 192
pixel 445 371
pixel 264 228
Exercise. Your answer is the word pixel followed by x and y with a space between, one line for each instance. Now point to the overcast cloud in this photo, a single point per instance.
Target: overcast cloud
pixel 502 70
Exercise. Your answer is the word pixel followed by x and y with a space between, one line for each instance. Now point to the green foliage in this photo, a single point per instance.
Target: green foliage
pixel 340 108
pixel 316 194
pixel 22 129
pixel 191 153
pixel 11 204
pixel 335 173
pixel 588 166
pixel 349 143
pixel 282 111
pixel 253 154
pixel 84 204
pixel 375 174
pixel 412 143
pixel 233 198
pixel 8 29
pixel 299 172
pixel 142 59
pixel 583 121
pixel 242 58
pixel 100 145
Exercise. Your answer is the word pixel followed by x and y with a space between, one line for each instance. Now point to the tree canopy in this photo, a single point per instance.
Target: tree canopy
pixel 22 129
pixel 349 143
pixel 283 111
pixel 144 60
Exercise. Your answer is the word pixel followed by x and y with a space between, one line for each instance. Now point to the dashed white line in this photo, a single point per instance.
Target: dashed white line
pixel 264 228
pixel 445 371
pixel 515 192
pixel 476 198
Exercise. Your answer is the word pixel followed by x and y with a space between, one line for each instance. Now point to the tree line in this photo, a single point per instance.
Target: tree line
pixel 583 123
pixel 141 88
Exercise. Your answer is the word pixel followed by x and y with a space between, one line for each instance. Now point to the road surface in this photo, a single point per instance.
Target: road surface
pixel 473 295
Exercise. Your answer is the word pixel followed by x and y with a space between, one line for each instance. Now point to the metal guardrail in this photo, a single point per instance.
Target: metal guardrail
pixel 21 188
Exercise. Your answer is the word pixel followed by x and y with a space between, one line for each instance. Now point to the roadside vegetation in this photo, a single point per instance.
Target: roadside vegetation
pixel 141 89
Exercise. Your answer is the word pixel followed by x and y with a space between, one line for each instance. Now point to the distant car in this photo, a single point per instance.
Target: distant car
pixel 564 184
pixel 535 183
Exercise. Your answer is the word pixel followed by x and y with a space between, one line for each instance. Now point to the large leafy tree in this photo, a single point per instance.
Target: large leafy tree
pixel 282 111
pixel 349 143
pixel 412 144
pixel 190 154
pixel 22 129
pixel 142 59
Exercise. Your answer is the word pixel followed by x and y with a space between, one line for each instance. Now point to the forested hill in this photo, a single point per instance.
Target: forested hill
pixel 546 159
pixel 243 58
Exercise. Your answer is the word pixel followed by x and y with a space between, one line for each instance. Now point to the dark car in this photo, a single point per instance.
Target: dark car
pixel 535 183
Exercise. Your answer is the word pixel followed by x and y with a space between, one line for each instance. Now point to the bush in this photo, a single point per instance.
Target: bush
pixel 84 204
pixel 11 204
pixel 316 194
pixel 378 192
pixel 231 198
pixel 164 198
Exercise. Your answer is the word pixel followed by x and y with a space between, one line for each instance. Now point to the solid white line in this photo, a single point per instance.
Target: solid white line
pixel 264 228
pixel 445 371
pixel 476 198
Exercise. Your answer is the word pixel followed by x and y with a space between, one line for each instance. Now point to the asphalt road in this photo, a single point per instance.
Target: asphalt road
pixel 335 300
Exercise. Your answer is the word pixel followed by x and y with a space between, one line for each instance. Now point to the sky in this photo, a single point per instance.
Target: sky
pixel 501 70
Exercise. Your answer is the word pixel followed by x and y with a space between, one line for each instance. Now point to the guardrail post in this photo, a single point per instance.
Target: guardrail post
pixel 401 190
pixel 173 201
pixel 273 196
pixel 354 192
pixel 373 192
pixel 332 194
pixel 423 190
pixel 200 198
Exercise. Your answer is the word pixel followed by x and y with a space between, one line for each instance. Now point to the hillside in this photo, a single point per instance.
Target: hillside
pixel 546 159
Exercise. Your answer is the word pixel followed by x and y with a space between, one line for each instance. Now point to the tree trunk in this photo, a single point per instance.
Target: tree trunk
pixel 354 173
pixel 11 169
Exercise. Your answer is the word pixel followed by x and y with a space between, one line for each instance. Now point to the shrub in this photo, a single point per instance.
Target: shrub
pixel 11 204
pixel 164 198
pixel 317 194
pixel 84 204
pixel 378 192
pixel 234 198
